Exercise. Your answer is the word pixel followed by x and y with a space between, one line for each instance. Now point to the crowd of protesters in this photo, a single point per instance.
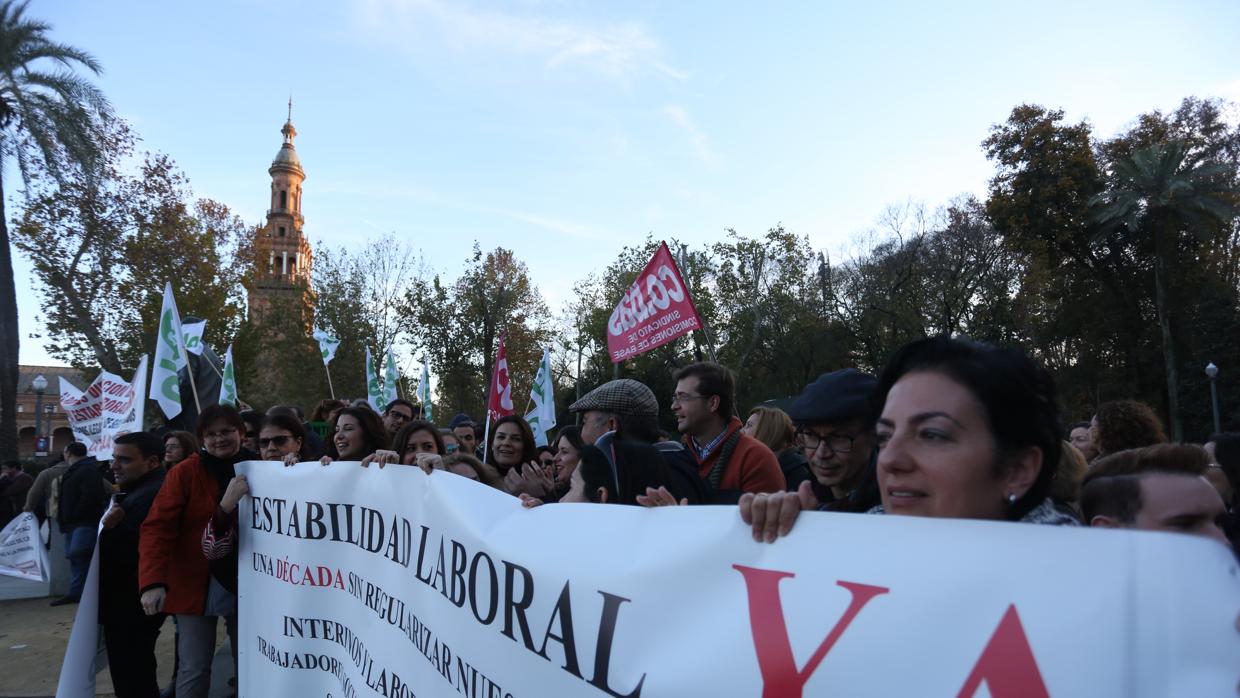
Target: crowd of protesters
pixel 951 428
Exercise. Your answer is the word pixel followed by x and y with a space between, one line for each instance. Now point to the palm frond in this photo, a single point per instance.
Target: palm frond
pixel 50 116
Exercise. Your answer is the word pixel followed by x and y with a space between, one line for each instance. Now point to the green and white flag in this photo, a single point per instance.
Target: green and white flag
pixel 374 394
pixel 192 333
pixel 228 385
pixel 424 392
pixel 390 376
pixel 169 357
pixel 327 345
pixel 542 418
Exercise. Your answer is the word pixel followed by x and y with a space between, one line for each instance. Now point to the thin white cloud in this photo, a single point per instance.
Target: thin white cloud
pixel 619 50
pixel 697 140
pixel 555 225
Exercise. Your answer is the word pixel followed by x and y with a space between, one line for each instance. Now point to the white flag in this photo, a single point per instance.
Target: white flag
pixel 327 345
pixel 373 392
pixel 424 392
pixel 228 383
pixel 390 376
pixel 191 334
pixel 542 418
pixel 169 358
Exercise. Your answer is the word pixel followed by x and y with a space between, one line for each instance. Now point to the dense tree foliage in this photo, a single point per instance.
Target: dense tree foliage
pixel 1115 262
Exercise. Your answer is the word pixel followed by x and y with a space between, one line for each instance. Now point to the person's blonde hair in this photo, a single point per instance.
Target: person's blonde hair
pixel 487 474
pixel 774 427
pixel 1066 483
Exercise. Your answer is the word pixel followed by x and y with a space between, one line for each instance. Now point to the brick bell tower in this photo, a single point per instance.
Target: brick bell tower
pixel 282 253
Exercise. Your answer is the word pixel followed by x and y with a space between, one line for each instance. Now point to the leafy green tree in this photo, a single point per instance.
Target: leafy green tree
pixel 49 121
pixel 1156 192
pixel 1079 301
pixel 457 326
pixel 102 247
pixel 359 299
pixel 73 232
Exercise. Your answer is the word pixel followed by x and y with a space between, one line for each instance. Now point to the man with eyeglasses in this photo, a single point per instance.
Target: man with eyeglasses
pixel 835 429
pixel 731 462
pixel 397 414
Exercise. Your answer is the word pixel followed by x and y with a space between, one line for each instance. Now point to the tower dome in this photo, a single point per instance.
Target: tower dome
pixel 287 156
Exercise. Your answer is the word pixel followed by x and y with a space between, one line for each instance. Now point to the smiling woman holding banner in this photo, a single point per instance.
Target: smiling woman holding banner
pixel 967 431
pixel 173 574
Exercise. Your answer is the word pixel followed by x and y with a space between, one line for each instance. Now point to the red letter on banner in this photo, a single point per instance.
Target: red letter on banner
pixel 780 676
pixel 1007 664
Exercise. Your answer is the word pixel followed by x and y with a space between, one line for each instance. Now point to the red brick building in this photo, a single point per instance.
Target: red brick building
pixel 53 422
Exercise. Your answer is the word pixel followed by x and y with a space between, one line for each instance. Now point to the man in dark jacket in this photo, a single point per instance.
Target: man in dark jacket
pixel 130 634
pixel 83 497
pixel 14 484
pixel 627 409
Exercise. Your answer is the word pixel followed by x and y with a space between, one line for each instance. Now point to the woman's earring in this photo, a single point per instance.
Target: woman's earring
pixel 1011 498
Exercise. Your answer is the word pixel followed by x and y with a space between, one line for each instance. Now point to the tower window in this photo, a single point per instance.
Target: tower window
pixel 280 231
pixel 283 199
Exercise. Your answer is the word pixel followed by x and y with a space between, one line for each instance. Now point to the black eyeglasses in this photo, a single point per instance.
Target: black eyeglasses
pixel 277 441
pixel 836 443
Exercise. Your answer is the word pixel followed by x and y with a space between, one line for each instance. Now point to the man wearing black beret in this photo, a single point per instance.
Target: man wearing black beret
pixel 834 417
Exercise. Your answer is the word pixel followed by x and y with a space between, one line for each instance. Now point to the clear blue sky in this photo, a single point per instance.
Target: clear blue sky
pixel 564 129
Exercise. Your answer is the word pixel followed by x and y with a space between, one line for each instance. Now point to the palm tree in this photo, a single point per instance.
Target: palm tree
pixel 1157 191
pixel 49 118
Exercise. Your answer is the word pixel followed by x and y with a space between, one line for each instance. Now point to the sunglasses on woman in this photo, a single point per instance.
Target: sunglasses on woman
pixel 277 441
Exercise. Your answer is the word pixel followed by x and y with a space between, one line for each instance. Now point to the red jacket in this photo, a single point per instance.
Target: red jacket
pixel 170 550
pixel 752 468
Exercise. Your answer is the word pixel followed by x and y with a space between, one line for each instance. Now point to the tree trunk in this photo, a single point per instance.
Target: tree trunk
pixel 1164 324
pixel 9 341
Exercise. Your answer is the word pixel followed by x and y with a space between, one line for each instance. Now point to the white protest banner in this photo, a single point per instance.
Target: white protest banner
pixel 366 581
pixel 110 406
pixel 191 332
pixel 21 549
pixel 654 311
pixel 78 669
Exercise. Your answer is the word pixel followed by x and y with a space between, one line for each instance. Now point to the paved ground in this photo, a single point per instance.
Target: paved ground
pixel 33 636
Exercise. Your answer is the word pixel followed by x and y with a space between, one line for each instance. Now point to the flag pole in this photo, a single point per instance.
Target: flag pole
pixel 710 342
pixel 329 381
pixel 486 437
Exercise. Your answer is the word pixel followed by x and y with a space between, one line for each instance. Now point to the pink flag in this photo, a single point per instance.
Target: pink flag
pixel 499 402
pixel 655 310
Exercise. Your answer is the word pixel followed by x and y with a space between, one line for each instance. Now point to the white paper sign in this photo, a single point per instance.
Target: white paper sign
pixel 365 582
pixel 21 549
pixel 109 407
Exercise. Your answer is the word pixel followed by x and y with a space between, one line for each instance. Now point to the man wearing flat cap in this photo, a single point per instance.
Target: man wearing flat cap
pixel 622 405
pixel 627 409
